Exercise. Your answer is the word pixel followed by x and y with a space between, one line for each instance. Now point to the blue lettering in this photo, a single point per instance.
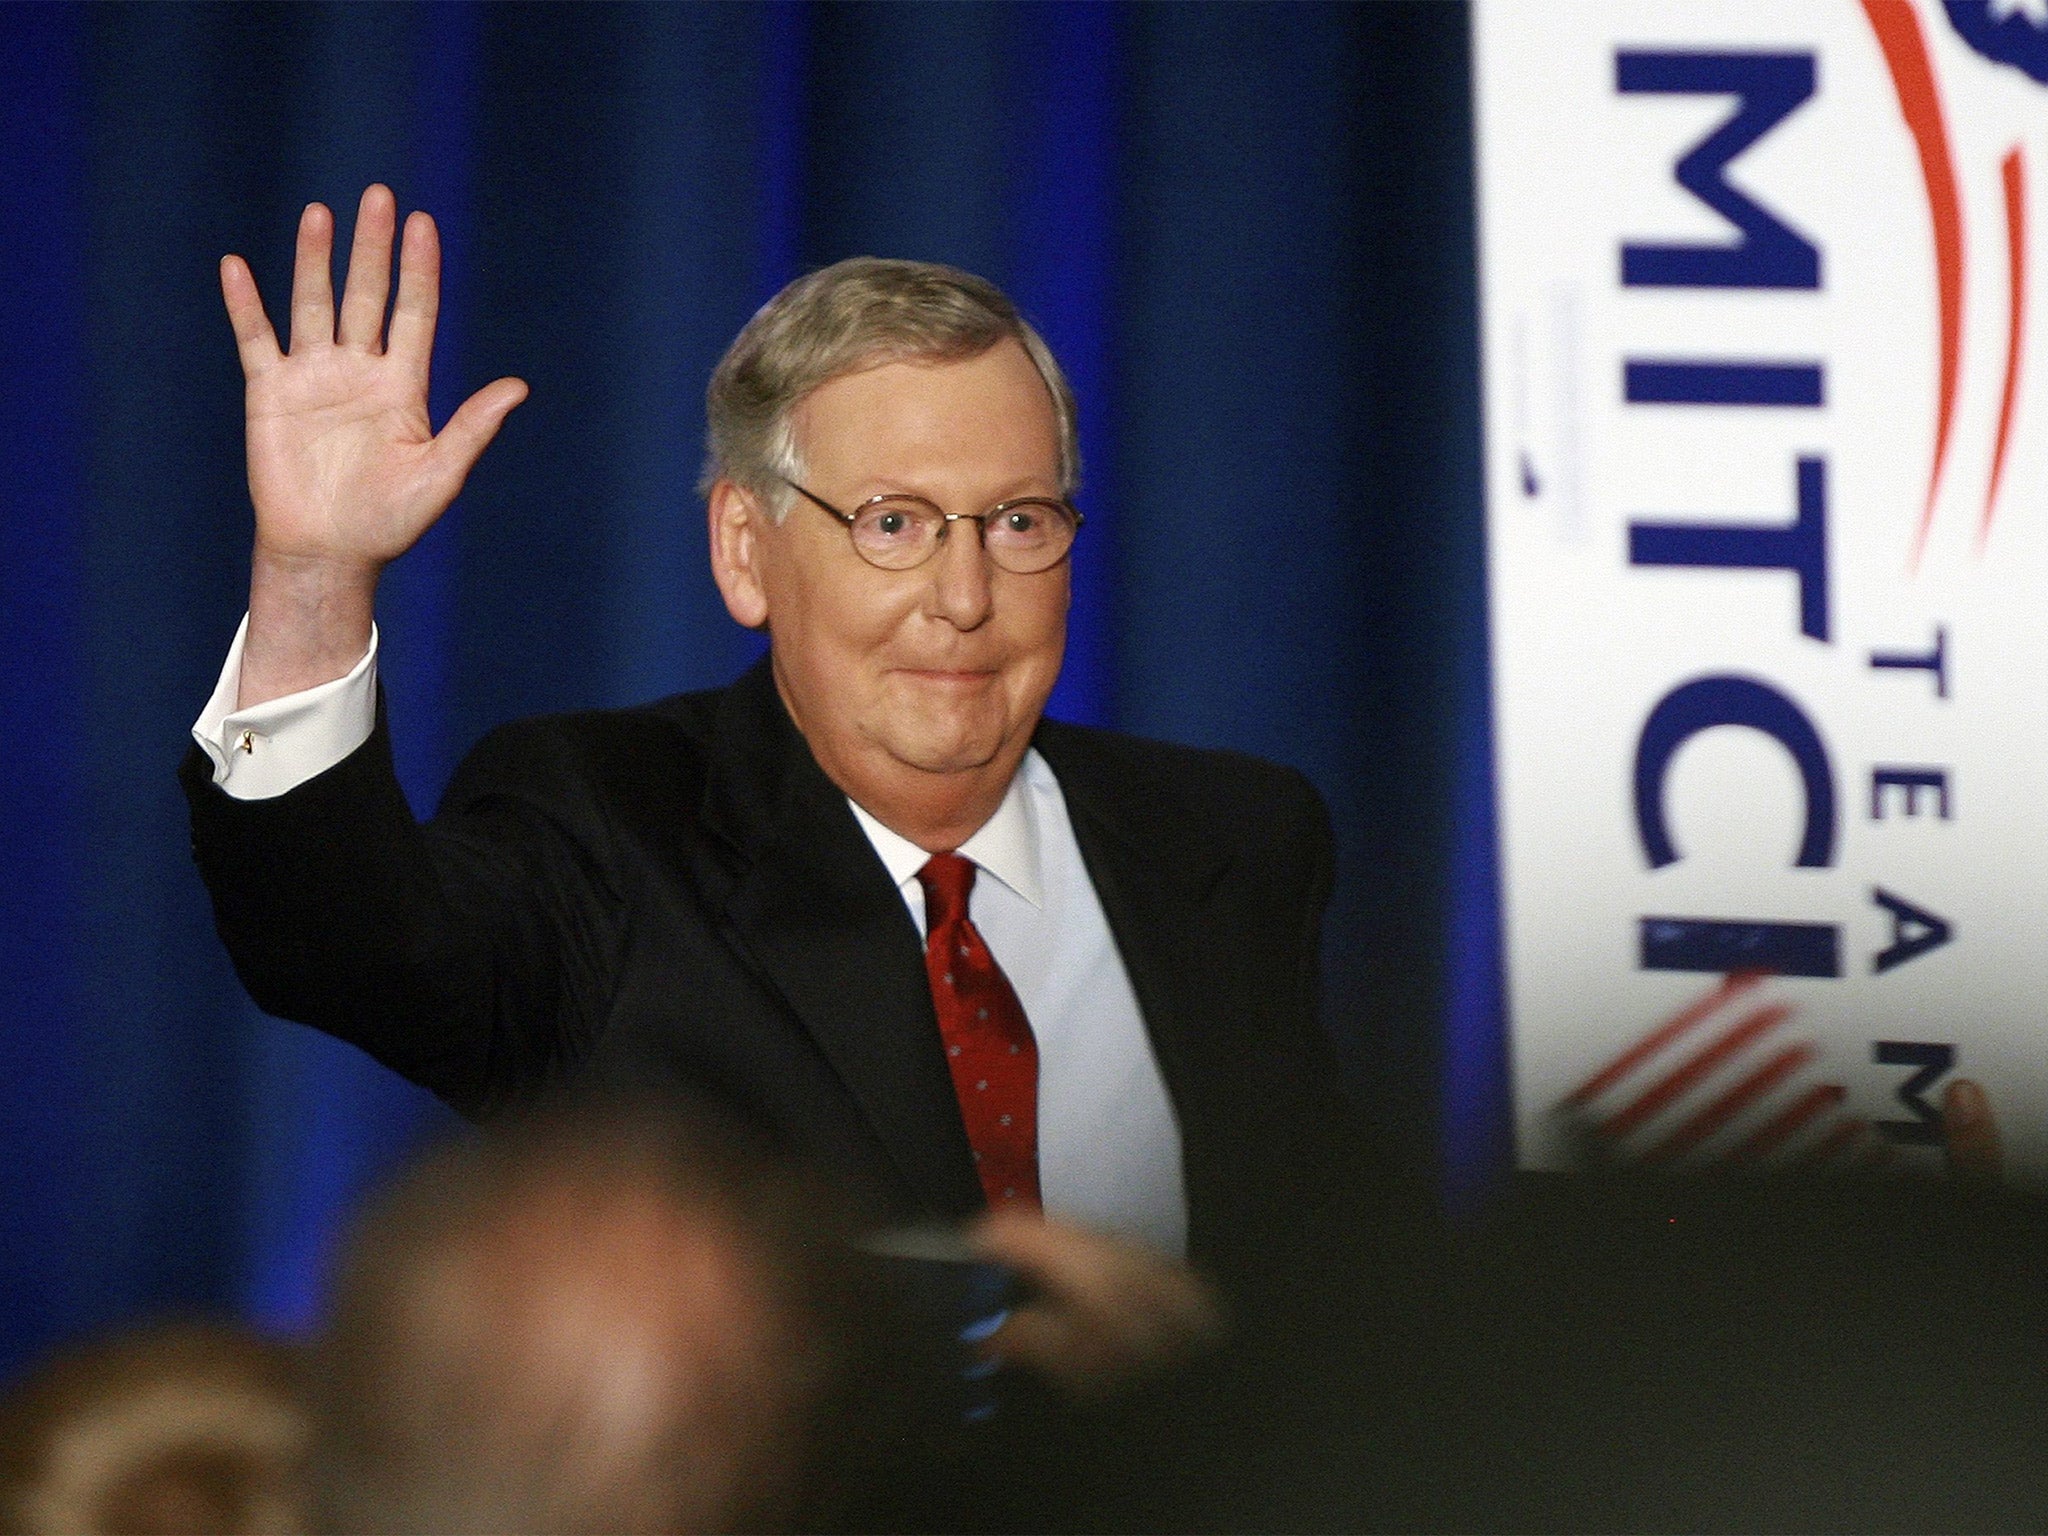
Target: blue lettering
pixel 1909 782
pixel 1801 548
pixel 1704 703
pixel 1710 944
pixel 1924 1129
pixel 1915 931
pixel 1649 382
pixel 1769 254
pixel 1935 661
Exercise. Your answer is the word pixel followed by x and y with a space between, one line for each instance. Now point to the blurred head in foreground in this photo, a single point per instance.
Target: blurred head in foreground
pixel 599 1319
pixel 180 1428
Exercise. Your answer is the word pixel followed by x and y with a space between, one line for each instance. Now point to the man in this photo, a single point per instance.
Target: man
pixel 598 1319
pixel 750 894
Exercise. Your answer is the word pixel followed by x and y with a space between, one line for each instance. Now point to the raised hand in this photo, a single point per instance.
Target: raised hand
pixel 345 469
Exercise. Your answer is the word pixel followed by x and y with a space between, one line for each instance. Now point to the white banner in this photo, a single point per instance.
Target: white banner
pixel 1767 480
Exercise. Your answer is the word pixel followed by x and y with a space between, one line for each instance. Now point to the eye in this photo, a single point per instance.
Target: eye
pixel 887 523
pixel 1028 525
pixel 894 533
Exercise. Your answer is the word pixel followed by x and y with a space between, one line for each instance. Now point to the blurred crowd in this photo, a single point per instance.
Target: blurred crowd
pixel 602 1317
pixel 618 1318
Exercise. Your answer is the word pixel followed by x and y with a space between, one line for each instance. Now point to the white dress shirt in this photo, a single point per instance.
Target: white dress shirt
pixel 260 752
pixel 1109 1151
pixel 1108 1143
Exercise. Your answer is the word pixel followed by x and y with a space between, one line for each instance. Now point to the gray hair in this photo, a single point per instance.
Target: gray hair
pixel 855 314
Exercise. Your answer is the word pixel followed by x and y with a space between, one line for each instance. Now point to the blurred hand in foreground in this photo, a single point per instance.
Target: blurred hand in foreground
pixel 1108 1311
pixel 1976 1154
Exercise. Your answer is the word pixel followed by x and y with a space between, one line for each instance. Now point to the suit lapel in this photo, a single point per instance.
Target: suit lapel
pixel 814 909
pixel 1155 880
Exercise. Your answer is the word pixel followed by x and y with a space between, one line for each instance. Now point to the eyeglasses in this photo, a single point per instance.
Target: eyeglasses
pixel 1023 536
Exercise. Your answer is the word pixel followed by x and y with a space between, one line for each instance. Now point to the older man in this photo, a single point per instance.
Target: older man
pixel 865 899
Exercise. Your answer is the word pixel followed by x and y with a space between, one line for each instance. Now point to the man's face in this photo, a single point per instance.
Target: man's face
pixel 943 669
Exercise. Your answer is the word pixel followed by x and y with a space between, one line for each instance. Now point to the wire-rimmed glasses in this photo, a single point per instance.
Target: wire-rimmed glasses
pixel 897 531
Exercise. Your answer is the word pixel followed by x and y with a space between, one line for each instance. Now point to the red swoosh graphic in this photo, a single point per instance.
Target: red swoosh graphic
pixel 2015 169
pixel 1905 55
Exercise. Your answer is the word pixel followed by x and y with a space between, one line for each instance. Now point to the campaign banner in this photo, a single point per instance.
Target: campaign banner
pixel 1767 502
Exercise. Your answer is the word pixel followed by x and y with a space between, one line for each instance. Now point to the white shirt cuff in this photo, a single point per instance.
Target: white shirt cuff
pixel 271 748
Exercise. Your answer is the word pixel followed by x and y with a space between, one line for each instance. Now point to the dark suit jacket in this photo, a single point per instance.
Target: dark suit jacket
pixel 677 895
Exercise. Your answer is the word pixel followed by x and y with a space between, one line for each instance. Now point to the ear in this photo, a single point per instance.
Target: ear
pixel 738 523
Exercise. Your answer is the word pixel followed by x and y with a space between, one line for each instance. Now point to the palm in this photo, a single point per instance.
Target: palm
pixel 344 466
pixel 339 458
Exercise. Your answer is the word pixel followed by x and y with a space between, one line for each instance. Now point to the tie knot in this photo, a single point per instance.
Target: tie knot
pixel 946 878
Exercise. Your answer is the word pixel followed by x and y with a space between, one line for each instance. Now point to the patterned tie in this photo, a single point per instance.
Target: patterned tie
pixel 988 1041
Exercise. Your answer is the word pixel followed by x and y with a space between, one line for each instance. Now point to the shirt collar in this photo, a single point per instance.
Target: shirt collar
pixel 1006 845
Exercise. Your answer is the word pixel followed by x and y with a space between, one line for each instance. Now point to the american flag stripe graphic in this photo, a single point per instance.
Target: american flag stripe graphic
pixel 1731 1103
pixel 1663 1035
pixel 1787 1123
pixel 1723 1048
pixel 1741 1094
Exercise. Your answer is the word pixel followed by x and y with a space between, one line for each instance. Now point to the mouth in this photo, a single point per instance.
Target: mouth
pixel 948 677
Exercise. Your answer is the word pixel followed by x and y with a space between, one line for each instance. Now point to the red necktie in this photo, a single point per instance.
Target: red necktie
pixel 988 1041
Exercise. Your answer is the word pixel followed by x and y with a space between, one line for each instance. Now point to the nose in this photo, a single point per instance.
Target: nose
pixel 960 582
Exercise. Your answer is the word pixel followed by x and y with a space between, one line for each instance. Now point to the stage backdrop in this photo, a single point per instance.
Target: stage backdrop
pixel 1767 478
pixel 1246 229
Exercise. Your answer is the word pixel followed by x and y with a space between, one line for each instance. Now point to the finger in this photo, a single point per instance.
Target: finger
pixel 369 271
pixel 1117 1285
pixel 313 281
pixel 254 339
pixel 1056 1348
pixel 1976 1153
pixel 1077 1352
pixel 419 296
pixel 469 431
pixel 1096 1268
pixel 1064 1261
pixel 1151 1314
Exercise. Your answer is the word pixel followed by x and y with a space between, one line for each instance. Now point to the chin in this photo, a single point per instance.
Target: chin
pixel 941 749
pixel 933 759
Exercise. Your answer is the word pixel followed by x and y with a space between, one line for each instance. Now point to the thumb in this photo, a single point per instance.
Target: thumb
pixel 459 444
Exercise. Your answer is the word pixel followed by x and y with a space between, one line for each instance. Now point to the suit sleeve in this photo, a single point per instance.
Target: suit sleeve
pixel 473 955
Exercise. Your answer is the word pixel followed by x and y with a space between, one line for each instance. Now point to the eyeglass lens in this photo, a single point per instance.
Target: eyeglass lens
pixel 1023 538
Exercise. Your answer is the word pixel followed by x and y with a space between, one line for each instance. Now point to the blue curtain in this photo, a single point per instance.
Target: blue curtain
pixel 1246 229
